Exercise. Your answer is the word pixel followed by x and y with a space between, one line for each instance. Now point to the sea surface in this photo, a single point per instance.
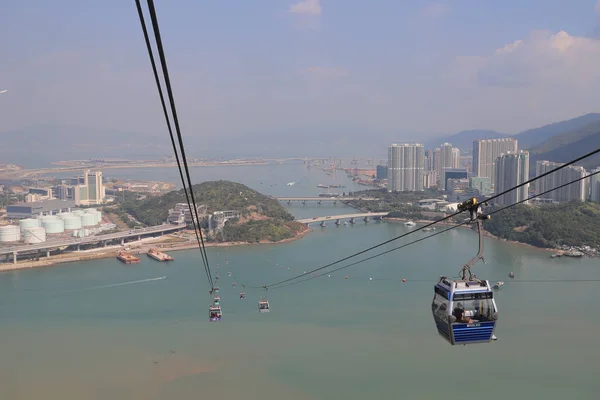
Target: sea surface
pixel 102 330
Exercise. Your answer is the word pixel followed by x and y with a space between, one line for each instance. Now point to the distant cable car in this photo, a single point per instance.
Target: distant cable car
pixel 263 306
pixel 216 289
pixel 217 300
pixel 215 313
pixel 242 296
pixel 464 309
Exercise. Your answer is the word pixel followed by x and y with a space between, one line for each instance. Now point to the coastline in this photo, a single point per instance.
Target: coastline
pixel 139 248
pixel 485 233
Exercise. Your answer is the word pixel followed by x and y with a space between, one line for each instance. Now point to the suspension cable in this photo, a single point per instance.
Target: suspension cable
pixel 191 204
pixel 440 232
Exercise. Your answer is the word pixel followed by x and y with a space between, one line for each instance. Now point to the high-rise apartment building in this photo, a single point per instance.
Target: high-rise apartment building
pixel 574 191
pixel 455 158
pixel 485 153
pixel 511 169
pixel 595 186
pixel 406 166
pixel 92 190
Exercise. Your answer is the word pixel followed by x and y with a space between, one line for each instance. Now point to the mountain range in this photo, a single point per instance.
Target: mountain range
pixel 528 139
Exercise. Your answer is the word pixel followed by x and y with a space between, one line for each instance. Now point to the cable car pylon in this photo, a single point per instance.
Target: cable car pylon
pixel 464 309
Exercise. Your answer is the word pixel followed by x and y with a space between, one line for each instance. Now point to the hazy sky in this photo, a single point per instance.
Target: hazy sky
pixel 273 68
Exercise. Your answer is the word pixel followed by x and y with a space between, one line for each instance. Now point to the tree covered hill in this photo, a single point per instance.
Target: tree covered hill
pixel 262 217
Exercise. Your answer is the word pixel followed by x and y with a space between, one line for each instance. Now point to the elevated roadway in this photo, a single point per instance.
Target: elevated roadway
pixel 342 199
pixel 53 244
pixel 337 218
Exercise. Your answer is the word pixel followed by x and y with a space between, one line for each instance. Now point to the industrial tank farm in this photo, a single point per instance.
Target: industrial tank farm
pixel 78 223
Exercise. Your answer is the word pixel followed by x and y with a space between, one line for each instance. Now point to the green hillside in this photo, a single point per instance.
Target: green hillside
pixel 263 218
pixel 572 224
pixel 569 145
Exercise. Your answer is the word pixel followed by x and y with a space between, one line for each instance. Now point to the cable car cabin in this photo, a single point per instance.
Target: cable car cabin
pixel 215 313
pixel 217 300
pixel 242 296
pixel 464 311
pixel 263 306
pixel 216 289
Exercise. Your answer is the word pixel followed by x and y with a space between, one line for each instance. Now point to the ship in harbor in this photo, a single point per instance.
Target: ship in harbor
pixel 128 258
pixel 334 186
pixel 159 255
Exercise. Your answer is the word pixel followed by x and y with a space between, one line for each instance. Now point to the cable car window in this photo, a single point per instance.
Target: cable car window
pixel 440 291
pixel 479 310
pixel 439 307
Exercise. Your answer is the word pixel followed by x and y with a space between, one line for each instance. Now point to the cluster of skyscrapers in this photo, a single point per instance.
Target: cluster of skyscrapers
pixel 411 168
pixel 497 166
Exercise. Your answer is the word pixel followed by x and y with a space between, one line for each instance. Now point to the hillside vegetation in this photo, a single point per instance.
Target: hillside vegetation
pixel 571 224
pixel 569 145
pixel 262 217
pixel 534 137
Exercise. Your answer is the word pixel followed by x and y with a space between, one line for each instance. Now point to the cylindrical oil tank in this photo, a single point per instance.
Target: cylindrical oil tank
pixel 34 235
pixel 10 233
pixel 80 233
pixel 54 226
pixel 29 223
pixel 49 218
pixel 72 222
pixel 78 212
pixel 88 220
pixel 99 216
pixel 65 215
pixel 94 213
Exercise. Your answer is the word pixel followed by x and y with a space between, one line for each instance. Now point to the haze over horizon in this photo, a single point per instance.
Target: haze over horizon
pixel 285 77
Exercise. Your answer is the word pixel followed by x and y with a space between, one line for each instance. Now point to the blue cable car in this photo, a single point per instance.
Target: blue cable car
pixel 215 313
pixel 464 309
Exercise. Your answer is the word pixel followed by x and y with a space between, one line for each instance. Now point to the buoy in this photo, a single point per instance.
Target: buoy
pixel 403 279
pixel 370 279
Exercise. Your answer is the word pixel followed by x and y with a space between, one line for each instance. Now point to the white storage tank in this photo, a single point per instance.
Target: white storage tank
pixel 54 226
pixel 10 233
pixel 78 212
pixel 94 213
pixel 99 216
pixel 72 222
pixel 81 233
pixel 34 235
pixel 29 223
pixel 65 215
pixel 88 220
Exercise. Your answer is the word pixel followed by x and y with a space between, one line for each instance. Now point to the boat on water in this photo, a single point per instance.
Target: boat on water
pixel 498 285
pixel 128 258
pixel 409 223
pixel 323 186
pixel 159 255
pixel 573 253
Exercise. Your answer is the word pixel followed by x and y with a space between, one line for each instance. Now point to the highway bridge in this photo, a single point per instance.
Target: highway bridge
pixel 338 218
pixel 55 244
pixel 320 199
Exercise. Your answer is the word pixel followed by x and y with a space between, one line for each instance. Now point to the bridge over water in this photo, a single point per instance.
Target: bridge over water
pixel 320 199
pixel 337 218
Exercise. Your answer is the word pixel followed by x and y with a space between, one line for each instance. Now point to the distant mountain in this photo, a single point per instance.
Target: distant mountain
pixel 569 145
pixel 464 139
pixel 534 137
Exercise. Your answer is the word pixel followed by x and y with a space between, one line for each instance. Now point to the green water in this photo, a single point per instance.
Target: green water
pixel 65 336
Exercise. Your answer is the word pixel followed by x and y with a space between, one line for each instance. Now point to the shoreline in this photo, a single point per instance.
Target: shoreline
pixel 485 233
pixel 138 248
